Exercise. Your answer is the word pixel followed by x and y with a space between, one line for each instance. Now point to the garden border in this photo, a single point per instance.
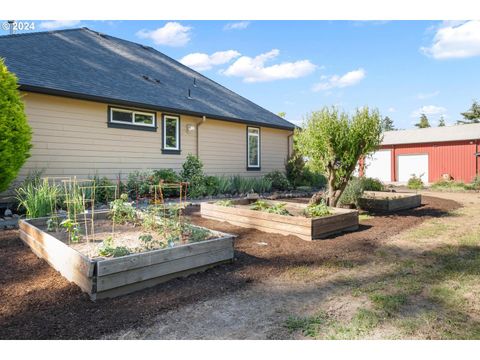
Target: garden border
pixel 379 203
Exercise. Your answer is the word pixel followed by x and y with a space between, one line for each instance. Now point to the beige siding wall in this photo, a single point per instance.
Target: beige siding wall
pixel 71 137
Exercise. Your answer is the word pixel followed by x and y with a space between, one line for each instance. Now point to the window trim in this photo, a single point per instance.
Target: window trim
pixel 259 152
pixel 133 125
pixel 170 150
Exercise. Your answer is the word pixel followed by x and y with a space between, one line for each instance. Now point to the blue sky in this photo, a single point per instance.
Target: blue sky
pixel 402 68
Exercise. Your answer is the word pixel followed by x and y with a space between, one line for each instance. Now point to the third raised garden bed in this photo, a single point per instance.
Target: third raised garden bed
pixel 388 201
pixel 240 213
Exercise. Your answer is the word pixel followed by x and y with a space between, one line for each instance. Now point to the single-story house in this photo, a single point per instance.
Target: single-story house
pixel 429 153
pixel 100 104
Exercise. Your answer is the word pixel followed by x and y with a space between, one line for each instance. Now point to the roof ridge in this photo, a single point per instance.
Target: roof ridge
pixel 46 32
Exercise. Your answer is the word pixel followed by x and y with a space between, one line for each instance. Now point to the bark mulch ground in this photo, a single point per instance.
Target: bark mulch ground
pixel 36 302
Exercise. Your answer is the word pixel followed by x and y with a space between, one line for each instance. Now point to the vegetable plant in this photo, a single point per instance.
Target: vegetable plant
pixel 227 203
pixel 38 199
pixel 262 205
pixel 317 210
pixel 415 182
pixel 72 228
pixel 121 211
pixel 109 250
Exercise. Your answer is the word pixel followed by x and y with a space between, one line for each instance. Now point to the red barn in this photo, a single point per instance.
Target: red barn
pixel 429 153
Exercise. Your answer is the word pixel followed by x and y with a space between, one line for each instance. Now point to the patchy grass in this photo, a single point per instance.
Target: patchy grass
pixel 365 216
pixel 388 304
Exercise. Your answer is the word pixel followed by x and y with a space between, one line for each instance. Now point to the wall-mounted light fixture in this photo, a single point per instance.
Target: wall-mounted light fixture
pixel 190 128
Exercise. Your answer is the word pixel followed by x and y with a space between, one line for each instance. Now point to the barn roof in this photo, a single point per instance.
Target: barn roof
pixel 429 135
pixel 83 63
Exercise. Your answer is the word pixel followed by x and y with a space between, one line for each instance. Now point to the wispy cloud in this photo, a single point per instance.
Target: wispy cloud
pixel 58 24
pixel 201 61
pixel 429 110
pixel 455 40
pixel 391 109
pixel 340 81
pixel 171 34
pixel 254 69
pixel 423 96
pixel 237 25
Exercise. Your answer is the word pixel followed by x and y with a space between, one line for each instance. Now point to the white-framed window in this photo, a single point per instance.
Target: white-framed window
pixel 129 117
pixel 171 132
pixel 253 148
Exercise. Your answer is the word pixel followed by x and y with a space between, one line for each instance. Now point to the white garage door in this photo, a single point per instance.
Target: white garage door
pixel 412 164
pixel 378 166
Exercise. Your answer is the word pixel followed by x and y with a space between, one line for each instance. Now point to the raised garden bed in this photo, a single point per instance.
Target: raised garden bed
pixel 388 201
pixel 102 277
pixel 240 214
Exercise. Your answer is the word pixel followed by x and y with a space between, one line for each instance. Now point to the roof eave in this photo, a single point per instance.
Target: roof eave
pixel 107 100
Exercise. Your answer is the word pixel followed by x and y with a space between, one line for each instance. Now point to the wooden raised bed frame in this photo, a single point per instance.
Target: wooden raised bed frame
pixel 303 227
pixel 104 278
pixel 383 201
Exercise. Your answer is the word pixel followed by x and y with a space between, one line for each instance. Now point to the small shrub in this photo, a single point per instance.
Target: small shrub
pixel 352 193
pixel 121 211
pixel 242 185
pixel 104 190
pixel 317 210
pixel 227 203
pixel 415 182
pixel 294 168
pixel 225 185
pixel 371 184
pixel 211 185
pixel 139 183
pixel 279 180
pixel 313 179
pixel 168 176
pixel 262 185
pixel 192 172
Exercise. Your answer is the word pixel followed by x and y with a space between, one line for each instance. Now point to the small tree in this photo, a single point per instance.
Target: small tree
pixel 15 133
pixel 282 114
pixel 387 124
pixel 441 122
pixel 423 123
pixel 472 115
pixel 333 143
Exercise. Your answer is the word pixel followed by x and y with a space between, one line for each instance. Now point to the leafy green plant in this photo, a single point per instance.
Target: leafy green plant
pixel 15 133
pixel 476 182
pixel 149 243
pixel 225 185
pixel 121 211
pixel 294 167
pixel 168 176
pixel 415 182
pixel 192 172
pixel 139 183
pixel 211 185
pixel 109 250
pixel 38 199
pixel 53 223
pixel 317 210
pixel 227 203
pixel 104 190
pixel 278 179
pixel 262 205
pixel 72 228
pixel 196 234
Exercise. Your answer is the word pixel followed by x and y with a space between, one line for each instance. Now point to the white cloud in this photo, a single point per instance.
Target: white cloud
pixel 336 81
pixel 423 96
pixel 57 24
pixel 201 61
pixel 455 40
pixel 429 110
pixel 237 25
pixel 391 109
pixel 172 34
pixel 254 69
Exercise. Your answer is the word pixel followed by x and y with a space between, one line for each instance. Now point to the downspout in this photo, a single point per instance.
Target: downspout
pixel 288 145
pixel 204 119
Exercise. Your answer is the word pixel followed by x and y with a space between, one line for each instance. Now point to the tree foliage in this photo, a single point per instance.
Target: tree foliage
pixel 333 143
pixel 472 115
pixel 423 122
pixel 441 122
pixel 15 133
pixel 387 124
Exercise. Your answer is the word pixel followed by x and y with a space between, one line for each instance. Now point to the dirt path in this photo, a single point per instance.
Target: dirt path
pixel 255 297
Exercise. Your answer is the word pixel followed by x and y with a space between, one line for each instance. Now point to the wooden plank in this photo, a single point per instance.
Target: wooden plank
pixel 134 261
pixel 379 201
pixel 253 222
pixel 127 289
pixel 59 263
pixel 162 269
pixel 294 220
pixel 322 227
pixel 58 253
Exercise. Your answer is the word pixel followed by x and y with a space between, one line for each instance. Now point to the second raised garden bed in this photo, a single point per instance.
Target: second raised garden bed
pixel 388 201
pixel 305 228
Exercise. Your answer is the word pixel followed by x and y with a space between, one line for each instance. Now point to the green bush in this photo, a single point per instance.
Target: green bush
pixel 352 193
pixel 225 186
pixel 317 210
pixel 192 172
pixel 313 179
pixel 168 176
pixel 451 185
pixel 415 182
pixel 15 133
pixel 139 183
pixel 212 184
pixel 104 190
pixel 121 211
pixel 294 168
pixel 278 179
pixel 262 185
pixel 371 184
pixel 38 199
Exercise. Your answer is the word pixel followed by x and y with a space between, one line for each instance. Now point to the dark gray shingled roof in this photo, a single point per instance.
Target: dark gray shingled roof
pixel 83 63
